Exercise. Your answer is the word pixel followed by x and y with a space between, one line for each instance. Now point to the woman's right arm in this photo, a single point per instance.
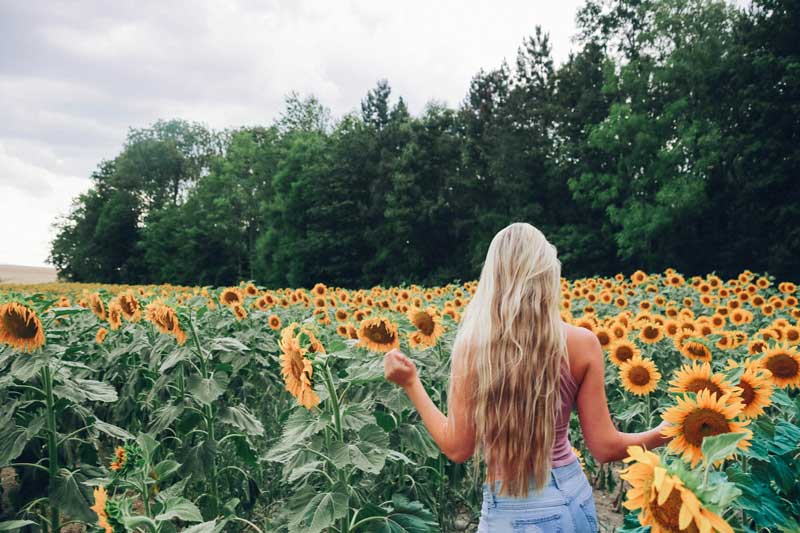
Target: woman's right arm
pixel 604 441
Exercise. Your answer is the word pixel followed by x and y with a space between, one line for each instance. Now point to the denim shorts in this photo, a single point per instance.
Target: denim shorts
pixel 565 505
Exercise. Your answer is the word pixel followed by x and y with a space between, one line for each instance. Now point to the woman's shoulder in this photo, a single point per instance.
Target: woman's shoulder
pixel 581 344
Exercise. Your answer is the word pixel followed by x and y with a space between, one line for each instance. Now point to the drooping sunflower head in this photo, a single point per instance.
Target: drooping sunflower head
pixel 695 350
pixel 378 334
pixel 239 312
pixel 114 315
pixel 296 369
pixel 165 319
pixel 100 336
pixel 97 306
pixel 639 376
pixel 703 415
pixel 129 305
pixel 783 361
pixel 20 327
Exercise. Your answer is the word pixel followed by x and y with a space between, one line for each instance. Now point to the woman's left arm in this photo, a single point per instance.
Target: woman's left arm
pixel 454 433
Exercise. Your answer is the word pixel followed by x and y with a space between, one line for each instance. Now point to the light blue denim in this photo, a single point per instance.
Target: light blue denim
pixel 565 505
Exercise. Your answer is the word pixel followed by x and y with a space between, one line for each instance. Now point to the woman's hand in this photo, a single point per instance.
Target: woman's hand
pixel 399 369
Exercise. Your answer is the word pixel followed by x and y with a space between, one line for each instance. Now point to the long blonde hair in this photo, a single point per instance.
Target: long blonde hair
pixel 513 343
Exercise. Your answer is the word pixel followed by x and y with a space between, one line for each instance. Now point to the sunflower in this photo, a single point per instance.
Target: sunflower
pixel 667 505
pixel 275 322
pixel 378 334
pixel 695 350
pixel 704 415
pixel 621 350
pixel 783 361
pixel 297 370
pixel 651 333
pixel 251 290
pixel 697 377
pixel 756 388
pixel 166 320
pixel 428 324
pixel 114 315
pixel 119 459
pixel 99 507
pixel 97 306
pixel 20 327
pixel 101 335
pixel 639 376
pixel 231 296
pixel 129 306
pixel 239 311
pixel 578 453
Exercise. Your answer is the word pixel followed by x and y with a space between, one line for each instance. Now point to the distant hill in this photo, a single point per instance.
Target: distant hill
pixel 26 274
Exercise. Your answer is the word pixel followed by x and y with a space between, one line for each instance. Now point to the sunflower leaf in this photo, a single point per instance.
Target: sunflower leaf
pixel 718 447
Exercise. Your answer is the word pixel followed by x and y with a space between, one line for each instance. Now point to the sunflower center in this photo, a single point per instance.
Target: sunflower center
pixel 698 384
pixel 624 353
pixel 639 376
pixel 378 333
pixel 603 337
pixel 424 322
pixel 297 364
pixel 696 349
pixel 702 423
pixel 748 392
pixel 782 365
pixel 667 514
pixel 650 332
pixel 18 325
pixel 230 297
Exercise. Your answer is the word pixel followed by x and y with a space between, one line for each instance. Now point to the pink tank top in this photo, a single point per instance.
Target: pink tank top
pixel 562 449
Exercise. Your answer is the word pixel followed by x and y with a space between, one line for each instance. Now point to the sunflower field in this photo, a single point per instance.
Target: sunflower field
pixel 198 409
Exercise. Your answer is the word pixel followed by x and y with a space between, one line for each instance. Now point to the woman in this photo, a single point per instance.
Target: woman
pixel 517 371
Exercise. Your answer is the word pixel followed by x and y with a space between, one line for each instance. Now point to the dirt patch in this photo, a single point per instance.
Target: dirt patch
pixel 608 519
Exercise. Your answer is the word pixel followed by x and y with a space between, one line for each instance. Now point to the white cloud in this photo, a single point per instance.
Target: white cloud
pixel 79 74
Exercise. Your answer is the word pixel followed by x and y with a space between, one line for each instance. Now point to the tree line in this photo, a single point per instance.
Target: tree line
pixel 669 137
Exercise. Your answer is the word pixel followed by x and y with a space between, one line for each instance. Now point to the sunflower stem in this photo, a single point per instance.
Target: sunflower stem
pixel 337 421
pixel 52 446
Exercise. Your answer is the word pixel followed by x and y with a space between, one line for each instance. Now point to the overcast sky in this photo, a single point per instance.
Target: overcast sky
pixel 74 76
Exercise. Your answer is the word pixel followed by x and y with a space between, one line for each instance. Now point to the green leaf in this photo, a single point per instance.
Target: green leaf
pixel 403 516
pixel 132 522
pixel 72 500
pixel 15 524
pixel 173 359
pixel 205 390
pixel 148 444
pixel 166 468
pixel 164 417
pixel 96 391
pixel 356 416
pixel 321 511
pixel 416 438
pixel 300 425
pixel 112 431
pixel 241 418
pixel 368 453
pixel 13 438
pixel 718 447
pixel 181 508
pixel 174 490
pixel 205 527
pixel 228 344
